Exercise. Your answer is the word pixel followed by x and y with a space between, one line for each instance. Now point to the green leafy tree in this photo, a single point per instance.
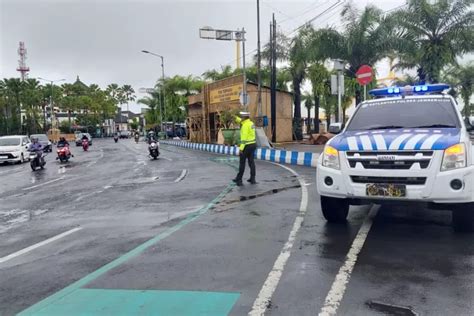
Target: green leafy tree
pixel 299 56
pixel 433 35
pixel 128 94
pixel 319 77
pixel 462 80
pixel 309 104
pixel 367 38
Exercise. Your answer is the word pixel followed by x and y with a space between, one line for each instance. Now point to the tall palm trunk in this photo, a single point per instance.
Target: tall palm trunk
pixel 308 131
pixel 297 117
pixel 316 113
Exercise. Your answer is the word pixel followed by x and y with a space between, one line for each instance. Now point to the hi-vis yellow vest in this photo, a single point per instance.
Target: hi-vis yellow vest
pixel 247 132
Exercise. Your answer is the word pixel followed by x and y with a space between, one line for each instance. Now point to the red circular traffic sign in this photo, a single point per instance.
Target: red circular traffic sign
pixel 364 75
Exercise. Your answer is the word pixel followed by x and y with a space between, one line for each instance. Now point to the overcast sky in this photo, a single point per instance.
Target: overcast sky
pixel 101 41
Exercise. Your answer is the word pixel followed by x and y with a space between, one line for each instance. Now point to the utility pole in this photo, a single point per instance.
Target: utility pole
pixel 259 63
pixel 245 95
pixel 273 77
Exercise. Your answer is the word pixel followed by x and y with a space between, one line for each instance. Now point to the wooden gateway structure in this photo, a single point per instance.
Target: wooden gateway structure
pixel 203 116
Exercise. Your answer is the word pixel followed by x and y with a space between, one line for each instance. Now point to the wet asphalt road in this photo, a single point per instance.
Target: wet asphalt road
pixel 179 226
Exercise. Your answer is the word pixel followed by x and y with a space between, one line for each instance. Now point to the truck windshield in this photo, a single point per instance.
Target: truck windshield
pixel 405 113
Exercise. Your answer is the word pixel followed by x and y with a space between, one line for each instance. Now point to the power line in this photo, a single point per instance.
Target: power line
pixel 332 7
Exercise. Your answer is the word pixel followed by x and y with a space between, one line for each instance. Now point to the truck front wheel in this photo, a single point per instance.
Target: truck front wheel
pixel 334 210
pixel 463 218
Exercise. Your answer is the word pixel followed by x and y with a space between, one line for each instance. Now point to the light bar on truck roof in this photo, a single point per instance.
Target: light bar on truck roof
pixel 408 90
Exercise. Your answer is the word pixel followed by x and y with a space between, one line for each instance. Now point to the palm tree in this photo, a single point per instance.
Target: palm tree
pixel 308 103
pixel 13 88
pixel 319 78
pixel 366 39
pixel 153 101
pixel 462 79
pixel 128 94
pixel 215 75
pixel 299 56
pixel 432 36
pixel 31 100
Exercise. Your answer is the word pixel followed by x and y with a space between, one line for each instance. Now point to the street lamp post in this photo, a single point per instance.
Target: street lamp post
pixel 162 98
pixel 51 97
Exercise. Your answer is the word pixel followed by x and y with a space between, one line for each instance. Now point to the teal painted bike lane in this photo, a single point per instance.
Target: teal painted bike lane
pixel 75 300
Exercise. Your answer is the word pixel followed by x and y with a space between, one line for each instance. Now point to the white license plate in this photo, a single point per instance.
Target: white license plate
pixel 3 157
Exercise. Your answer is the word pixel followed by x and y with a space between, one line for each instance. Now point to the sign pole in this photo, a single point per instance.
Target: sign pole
pixel 365 92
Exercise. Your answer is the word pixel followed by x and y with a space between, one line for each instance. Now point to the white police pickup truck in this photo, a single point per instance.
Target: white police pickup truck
pixel 408 145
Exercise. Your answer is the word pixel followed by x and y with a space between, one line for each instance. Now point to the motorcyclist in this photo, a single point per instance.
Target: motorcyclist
pixel 84 137
pixel 62 142
pixel 36 147
pixel 137 136
pixel 151 137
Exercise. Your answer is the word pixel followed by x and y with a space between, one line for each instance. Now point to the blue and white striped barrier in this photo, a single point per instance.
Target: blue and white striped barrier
pixel 308 159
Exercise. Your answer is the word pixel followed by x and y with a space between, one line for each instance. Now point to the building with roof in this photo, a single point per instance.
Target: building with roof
pixel 204 109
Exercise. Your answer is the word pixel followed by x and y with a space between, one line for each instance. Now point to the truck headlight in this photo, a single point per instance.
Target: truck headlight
pixel 331 157
pixel 454 157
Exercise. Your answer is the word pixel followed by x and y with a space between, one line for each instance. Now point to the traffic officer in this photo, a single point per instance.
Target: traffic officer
pixel 247 147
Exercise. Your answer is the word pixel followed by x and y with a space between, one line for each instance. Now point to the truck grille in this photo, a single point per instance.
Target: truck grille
pixel 401 160
pixel 390 180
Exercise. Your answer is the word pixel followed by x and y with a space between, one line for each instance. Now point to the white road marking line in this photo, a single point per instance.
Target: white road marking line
pixel 43 183
pixel 166 158
pixel 261 302
pixel 44 242
pixel 336 293
pixel 181 177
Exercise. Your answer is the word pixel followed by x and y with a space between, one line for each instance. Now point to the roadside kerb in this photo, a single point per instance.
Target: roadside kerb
pixel 300 158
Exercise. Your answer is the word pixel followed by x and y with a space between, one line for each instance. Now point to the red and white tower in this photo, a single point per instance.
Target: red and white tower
pixel 22 68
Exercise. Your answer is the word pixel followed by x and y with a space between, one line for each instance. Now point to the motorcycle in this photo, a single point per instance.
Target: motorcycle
pixel 64 154
pixel 37 160
pixel 154 149
pixel 116 138
pixel 85 144
pixel 137 138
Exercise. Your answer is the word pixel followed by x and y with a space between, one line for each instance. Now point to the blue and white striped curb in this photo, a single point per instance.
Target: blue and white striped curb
pixel 308 159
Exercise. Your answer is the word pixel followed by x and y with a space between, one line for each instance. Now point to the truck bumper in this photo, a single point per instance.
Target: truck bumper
pixel 437 188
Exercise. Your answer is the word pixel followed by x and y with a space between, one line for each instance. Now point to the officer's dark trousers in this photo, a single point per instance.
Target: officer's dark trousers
pixel 248 153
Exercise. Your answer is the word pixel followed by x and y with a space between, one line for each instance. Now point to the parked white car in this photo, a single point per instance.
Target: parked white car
pixel 14 149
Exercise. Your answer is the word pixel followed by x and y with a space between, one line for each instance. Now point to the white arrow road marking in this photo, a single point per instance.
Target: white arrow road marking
pixel 260 305
pixel 336 293
pixel 181 177
pixel 33 247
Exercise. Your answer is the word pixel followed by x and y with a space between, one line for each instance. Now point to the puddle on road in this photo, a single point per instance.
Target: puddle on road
pixel 10 218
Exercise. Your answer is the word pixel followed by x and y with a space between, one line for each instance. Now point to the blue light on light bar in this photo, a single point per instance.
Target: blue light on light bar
pixel 391 91
pixel 419 89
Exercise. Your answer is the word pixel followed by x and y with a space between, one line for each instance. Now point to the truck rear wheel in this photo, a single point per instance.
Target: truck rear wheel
pixel 334 210
pixel 463 218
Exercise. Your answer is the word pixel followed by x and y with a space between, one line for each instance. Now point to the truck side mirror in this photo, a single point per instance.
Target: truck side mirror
pixel 335 128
